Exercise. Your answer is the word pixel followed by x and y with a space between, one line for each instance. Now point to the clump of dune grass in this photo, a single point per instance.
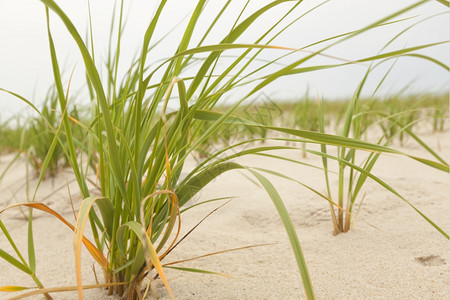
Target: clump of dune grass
pixel 439 111
pixel 396 121
pixel 34 137
pixel 138 148
pixel 39 136
pixel 306 117
pixel 10 135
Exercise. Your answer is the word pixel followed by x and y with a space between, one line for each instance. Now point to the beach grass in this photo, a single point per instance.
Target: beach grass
pixel 137 140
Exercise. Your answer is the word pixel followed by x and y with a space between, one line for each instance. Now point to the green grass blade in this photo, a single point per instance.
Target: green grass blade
pixel 431 59
pixel 188 34
pixel 193 270
pixel 444 2
pixel 293 238
pixel 63 105
pixel 31 250
pixel 296 181
pixel 401 52
pixel 11 242
pixel 200 180
pixel 15 262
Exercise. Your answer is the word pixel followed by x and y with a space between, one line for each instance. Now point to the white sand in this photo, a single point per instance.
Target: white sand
pixel 391 253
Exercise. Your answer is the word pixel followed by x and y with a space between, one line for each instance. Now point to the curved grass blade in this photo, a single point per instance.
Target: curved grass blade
pixel 300 183
pixel 96 254
pixel 293 238
pixel 194 185
pixel 78 238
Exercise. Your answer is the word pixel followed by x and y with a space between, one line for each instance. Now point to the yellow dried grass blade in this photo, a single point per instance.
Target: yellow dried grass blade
pixel 83 214
pixel 66 289
pixel 14 288
pixel 216 253
pixel 157 264
pixel 167 233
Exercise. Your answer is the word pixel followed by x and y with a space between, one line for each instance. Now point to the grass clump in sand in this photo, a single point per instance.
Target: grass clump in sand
pixel 10 136
pixel 138 147
pixel 39 135
pixel 353 171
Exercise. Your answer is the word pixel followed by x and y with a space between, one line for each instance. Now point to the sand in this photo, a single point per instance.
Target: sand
pixel 391 252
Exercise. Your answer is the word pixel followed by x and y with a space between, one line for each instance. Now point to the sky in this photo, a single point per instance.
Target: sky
pixel 25 66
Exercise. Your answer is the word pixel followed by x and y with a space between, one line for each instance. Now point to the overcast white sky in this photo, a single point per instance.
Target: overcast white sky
pixel 25 66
